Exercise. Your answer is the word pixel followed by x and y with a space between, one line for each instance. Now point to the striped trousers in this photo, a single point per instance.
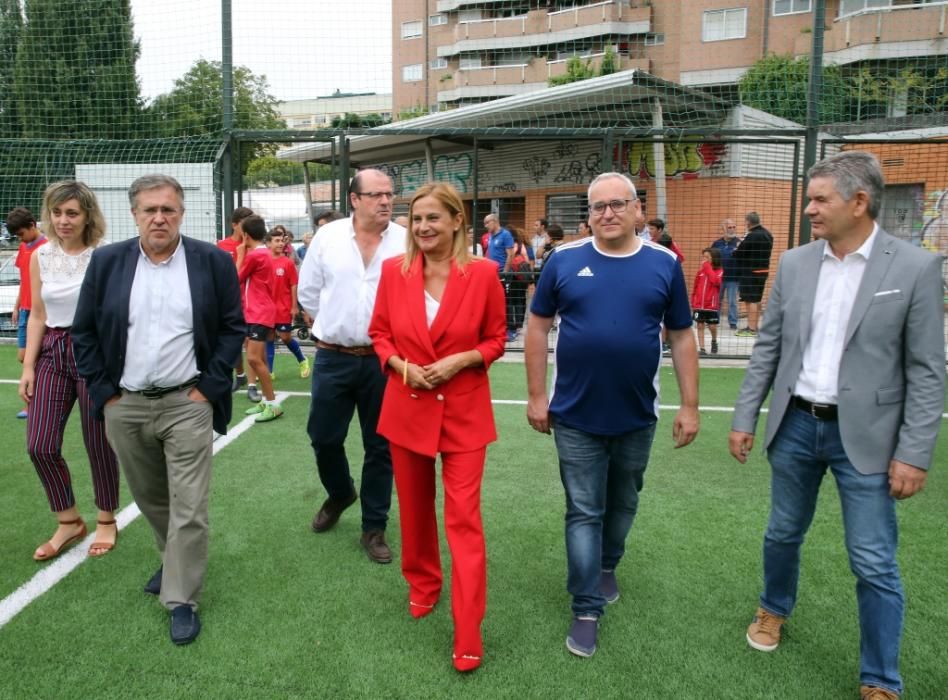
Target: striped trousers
pixel 56 388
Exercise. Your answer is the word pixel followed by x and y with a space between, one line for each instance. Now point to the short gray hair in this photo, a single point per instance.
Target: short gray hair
pixel 852 172
pixel 612 176
pixel 753 218
pixel 153 182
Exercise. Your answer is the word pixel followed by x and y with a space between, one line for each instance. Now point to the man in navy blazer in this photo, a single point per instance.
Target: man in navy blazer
pixel 156 333
pixel 852 346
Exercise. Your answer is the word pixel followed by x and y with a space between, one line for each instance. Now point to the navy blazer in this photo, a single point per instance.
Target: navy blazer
pixel 100 329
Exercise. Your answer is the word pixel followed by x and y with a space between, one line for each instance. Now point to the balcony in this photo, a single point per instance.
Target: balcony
pixel 890 32
pixel 501 81
pixel 541 28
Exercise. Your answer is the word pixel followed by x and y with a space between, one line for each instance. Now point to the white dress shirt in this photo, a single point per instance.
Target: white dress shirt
pixel 336 288
pixel 835 295
pixel 160 350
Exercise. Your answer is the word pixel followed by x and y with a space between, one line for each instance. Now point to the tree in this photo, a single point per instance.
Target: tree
pixel 576 70
pixel 11 26
pixel 778 85
pixel 270 171
pixel 74 75
pixel 195 106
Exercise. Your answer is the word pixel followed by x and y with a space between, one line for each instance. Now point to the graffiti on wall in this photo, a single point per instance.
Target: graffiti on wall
pixel 685 159
pixel 409 176
pixel 580 172
pixel 935 228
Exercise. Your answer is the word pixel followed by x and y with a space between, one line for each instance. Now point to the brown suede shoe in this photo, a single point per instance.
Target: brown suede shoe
pixel 373 542
pixel 872 692
pixel 764 632
pixel 329 514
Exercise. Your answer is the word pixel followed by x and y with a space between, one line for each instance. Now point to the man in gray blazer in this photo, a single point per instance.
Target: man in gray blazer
pixel 852 346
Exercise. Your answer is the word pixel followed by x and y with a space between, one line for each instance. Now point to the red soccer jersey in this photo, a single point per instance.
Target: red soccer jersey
pixel 22 262
pixel 229 245
pixel 285 277
pixel 257 281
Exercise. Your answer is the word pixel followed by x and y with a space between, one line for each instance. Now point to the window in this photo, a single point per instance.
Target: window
pixel 469 16
pixel 654 39
pixel 791 7
pixel 437 20
pixel 724 24
pixel 411 30
pixel 472 62
pixel 411 73
pixel 849 7
pixel 438 63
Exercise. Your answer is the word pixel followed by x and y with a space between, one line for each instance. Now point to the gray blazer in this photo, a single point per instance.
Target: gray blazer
pixel 892 371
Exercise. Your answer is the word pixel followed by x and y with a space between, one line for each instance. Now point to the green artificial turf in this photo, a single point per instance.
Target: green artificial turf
pixel 291 614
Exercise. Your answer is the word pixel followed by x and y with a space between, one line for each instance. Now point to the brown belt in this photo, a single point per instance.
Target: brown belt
pixel 358 350
pixel 823 411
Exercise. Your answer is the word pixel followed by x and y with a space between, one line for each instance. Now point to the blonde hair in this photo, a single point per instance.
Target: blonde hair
pixel 63 191
pixel 450 200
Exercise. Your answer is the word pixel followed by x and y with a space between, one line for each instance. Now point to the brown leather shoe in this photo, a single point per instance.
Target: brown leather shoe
pixel 872 692
pixel 373 542
pixel 329 514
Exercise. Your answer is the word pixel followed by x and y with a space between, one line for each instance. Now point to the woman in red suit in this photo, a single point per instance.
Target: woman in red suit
pixel 439 323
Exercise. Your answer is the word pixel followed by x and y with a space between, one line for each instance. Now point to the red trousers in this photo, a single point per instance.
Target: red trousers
pixel 421 559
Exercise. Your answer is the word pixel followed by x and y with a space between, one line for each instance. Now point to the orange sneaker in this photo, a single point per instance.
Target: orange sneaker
pixel 764 632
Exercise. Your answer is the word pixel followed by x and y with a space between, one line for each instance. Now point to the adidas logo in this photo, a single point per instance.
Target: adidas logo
pixel 585 272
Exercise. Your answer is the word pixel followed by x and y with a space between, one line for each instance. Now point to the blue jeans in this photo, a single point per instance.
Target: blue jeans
pixel 343 383
pixel 801 452
pixel 22 318
pixel 602 476
pixel 729 292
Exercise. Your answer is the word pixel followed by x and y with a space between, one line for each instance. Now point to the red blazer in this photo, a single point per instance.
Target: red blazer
pixel 456 416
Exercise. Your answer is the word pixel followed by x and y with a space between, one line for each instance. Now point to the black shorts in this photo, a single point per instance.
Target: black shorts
pixel 284 327
pixel 255 331
pixel 752 288
pixel 712 318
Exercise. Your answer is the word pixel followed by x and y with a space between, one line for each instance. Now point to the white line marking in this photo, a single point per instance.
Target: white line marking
pixel 63 565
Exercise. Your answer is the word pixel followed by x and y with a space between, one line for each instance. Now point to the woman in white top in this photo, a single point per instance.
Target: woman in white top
pixel 74 225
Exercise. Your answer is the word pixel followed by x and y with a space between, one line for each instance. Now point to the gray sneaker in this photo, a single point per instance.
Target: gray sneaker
pixel 581 639
pixel 253 394
pixel 240 381
pixel 609 586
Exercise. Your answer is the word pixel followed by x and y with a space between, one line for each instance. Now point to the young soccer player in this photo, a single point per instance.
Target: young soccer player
pixel 284 296
pixel 257 278
pixel 233 245
pixel 706 298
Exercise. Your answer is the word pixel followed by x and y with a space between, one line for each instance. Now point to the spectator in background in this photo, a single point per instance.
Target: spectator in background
pixel 753 260
pixel 706 298
pixel 474 248
pixel 22 223
pixel 658 234
pixel 402 221
pixel 303 249
pixel 326 216
pixel 540 240
pixel 582 231
pixel 285 281
pixel 556 235
pixel 726 245
pixel 520 278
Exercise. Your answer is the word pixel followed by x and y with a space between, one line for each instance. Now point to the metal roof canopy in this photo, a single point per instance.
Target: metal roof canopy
pixel 583 109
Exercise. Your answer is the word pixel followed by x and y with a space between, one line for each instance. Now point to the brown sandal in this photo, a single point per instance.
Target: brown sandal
pixel 106 547
pixel 48 551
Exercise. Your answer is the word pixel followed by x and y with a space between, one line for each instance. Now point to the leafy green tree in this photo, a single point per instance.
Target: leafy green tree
pixel 576 70
pixel 270 171
pixel 195 106
pixel 610 62
pixel 74 76
pixel 11 26
pixel 778 85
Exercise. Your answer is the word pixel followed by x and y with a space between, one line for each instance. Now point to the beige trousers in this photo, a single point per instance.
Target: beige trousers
pixel 164 447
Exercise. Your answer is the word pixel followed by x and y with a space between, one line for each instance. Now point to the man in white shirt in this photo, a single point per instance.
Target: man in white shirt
pixel 540 240
pixel 158 328
pixel 851 344
pixel 337 287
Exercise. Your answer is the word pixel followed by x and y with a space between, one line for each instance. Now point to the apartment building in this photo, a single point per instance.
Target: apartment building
pixel 318 113
pixel 451 53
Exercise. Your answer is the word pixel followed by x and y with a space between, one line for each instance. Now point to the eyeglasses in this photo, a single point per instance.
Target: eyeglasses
pixel 617 205
pixel 377 195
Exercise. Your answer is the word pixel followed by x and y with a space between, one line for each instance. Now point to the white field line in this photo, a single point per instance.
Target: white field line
pixel 62 566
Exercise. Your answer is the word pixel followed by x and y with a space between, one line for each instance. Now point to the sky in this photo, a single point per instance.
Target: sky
pixel 305 49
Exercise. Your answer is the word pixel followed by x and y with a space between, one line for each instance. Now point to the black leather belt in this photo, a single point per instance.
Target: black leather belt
pixel 156 392
pixel 823 411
